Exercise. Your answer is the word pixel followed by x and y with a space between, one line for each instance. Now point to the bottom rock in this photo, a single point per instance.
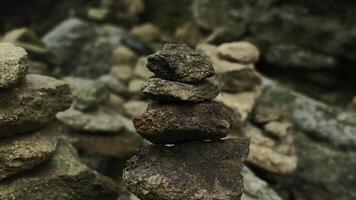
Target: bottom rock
pixel 191 171
pixel 64 177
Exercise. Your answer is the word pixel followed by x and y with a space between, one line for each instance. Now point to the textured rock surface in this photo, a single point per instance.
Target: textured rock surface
pixel 32 104
pixel 13 65
pixel 76 43
pixel 87 94
pixel 25 151
pixel 64 177
pixel 256 188
pixel 178 62
pixel 169 123
pixel 192 170
pixel 102 120
pixel 162 90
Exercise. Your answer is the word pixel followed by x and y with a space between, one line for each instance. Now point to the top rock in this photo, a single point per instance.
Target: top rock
pixel 13 64
pixel 178 62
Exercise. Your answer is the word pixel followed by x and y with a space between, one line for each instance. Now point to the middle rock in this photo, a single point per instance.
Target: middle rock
pixel 180 89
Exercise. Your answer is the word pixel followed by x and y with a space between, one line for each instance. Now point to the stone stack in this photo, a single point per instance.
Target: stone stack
pixel 185 116
pixel 35 164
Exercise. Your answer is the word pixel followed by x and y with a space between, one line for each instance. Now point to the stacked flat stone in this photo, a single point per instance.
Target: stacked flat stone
pixel 200 164
pixel 34 163
pixel 182 93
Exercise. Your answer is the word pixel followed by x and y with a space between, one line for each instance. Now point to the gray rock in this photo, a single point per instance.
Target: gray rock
pixel 23 152
pixel 101 120
pixel 192 170
pixel 135 86
pixel 178 62
pixel 63 177
pixel 13 65
pixel 163 90
pixel 256 188
pixel 84 49
pixel 113 84
pixel 123 73
pixel 32 104
pixel 164 123
pixel 87 94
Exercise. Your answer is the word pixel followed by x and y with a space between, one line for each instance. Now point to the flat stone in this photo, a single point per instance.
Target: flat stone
pixel 124 55
pixel 32 104
pixel 122 145
pixel 163 90
pixel 192 171
pixel 13 65
pixel 147 32
pixel 273 155
pixel 87 93
pixel 63 177
pixel 243 52
pixel 171 123
pixel 178 62
pixel 101 120
pixel 23 152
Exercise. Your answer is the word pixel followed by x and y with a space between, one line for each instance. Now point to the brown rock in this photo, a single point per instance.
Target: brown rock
pixel 192 171
pixel 171 123
pixel 147 32
pixel 124 55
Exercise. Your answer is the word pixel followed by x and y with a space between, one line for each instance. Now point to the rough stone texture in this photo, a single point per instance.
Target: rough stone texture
pixel 102 120
pixel 178 62
pixel 276 156
pixel 87 94
pixel 192 170
pixel 84 49
pixel 23 152
pixel 63 177
pixel 121 146
pixel 256 188
pixel 162 90
pixel 242 52
pixel 13 65
pixel 32 104
pixel 171 123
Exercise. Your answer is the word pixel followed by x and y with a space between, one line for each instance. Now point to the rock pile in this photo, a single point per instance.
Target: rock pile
pixel 184 115
pixel 35 163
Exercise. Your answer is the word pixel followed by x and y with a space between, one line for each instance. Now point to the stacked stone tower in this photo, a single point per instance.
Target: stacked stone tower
pixel 197 164
pixel 34 163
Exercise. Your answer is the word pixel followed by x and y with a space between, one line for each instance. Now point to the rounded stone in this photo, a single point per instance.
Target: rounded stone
pixel 178 62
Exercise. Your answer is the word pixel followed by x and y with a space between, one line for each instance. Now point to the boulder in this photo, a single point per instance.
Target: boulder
pixel 191 170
